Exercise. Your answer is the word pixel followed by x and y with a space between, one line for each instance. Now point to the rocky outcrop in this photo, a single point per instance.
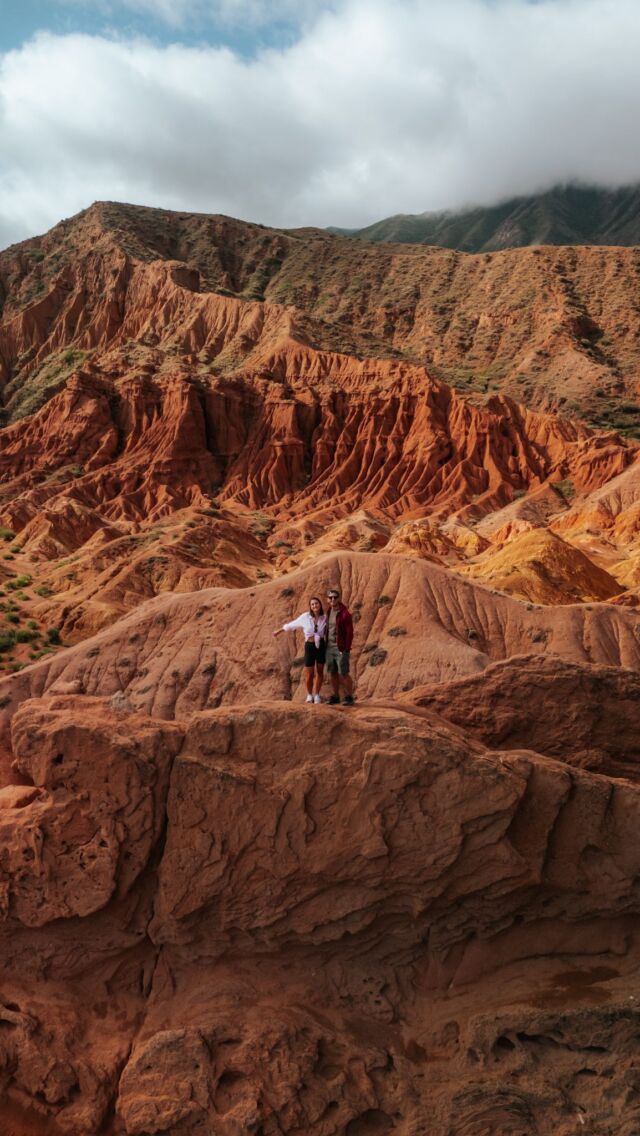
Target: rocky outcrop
pixel 242 934
pixel 282 473
pixel 537 565
pixel 415 623
pixel 142 447
pixel 584 714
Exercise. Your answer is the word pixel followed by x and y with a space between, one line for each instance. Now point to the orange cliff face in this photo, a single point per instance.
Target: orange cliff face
pixel 109 458
pixel 223 910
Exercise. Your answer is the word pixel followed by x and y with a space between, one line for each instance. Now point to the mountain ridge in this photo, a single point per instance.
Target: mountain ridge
pixel 555 327
pixel 564 215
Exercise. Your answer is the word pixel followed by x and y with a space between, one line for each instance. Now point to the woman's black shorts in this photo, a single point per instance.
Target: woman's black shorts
pixel 313 654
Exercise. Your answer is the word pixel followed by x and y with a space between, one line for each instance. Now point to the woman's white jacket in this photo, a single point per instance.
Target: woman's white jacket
pixel 306 623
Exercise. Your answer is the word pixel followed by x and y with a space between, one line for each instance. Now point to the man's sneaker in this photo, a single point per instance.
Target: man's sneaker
pixel 334 700
pixel 347 701
pixel 317 698
pixel 309 698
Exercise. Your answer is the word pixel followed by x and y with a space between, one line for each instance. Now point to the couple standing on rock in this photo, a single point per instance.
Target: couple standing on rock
pixel 327 640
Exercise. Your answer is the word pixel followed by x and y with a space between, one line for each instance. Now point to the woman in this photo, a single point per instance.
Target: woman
pixel 314 624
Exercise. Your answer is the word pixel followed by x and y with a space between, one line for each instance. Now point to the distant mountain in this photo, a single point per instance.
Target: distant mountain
pixel 566 215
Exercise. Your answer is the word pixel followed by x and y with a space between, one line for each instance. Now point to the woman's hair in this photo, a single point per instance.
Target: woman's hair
pixel 319 601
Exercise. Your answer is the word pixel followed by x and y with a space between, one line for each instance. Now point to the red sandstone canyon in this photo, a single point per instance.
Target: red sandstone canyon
pixel 225 911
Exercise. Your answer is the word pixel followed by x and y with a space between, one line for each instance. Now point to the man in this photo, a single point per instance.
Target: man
pixel 339 640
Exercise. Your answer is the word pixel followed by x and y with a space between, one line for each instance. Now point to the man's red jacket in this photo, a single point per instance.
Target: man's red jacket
pixel 344 628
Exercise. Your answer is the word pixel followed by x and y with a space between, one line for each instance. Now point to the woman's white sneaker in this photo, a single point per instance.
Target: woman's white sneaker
pixel 317 698
pixel 309 698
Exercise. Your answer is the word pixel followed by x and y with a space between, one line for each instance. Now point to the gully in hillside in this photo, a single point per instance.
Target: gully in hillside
pixel 313 623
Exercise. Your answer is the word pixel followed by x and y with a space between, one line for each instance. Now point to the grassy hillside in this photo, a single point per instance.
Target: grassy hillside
pixel 565 215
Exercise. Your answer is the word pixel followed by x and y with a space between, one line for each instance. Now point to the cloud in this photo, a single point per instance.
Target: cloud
pixel 218 13
pixel 380 106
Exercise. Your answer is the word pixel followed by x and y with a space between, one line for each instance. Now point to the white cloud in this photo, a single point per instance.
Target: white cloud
pixel 381 106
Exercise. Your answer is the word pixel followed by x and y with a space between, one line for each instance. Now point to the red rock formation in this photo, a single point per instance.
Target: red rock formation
pixel 540 323
pixel 580 713
pixel 320 959
pixel 143 447
pixel 415 623
pixel 171 394
pixel 115 456
pixel 537 565
pixel 224 912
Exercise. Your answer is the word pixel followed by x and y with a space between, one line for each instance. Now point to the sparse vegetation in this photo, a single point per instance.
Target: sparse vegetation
pixel 565 489
pixel 261 526
pixel 26 635
pixel 18 582
pixel 32 391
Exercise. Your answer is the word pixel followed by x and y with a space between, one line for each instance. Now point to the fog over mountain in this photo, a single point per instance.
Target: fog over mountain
pixel 564 215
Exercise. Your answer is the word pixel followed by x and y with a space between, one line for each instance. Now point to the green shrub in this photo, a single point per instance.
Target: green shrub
pixel 261 526
pixel 19 582
pixel 7 534
pixel 7 640
pixel 25 636
pixel 565 489
pixel 53 634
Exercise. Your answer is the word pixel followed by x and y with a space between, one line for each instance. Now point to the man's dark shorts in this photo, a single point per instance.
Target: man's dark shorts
pixel 337 661
pixel 313 654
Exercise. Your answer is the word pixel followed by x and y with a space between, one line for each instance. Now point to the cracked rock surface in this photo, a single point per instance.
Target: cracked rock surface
pixel 265 920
